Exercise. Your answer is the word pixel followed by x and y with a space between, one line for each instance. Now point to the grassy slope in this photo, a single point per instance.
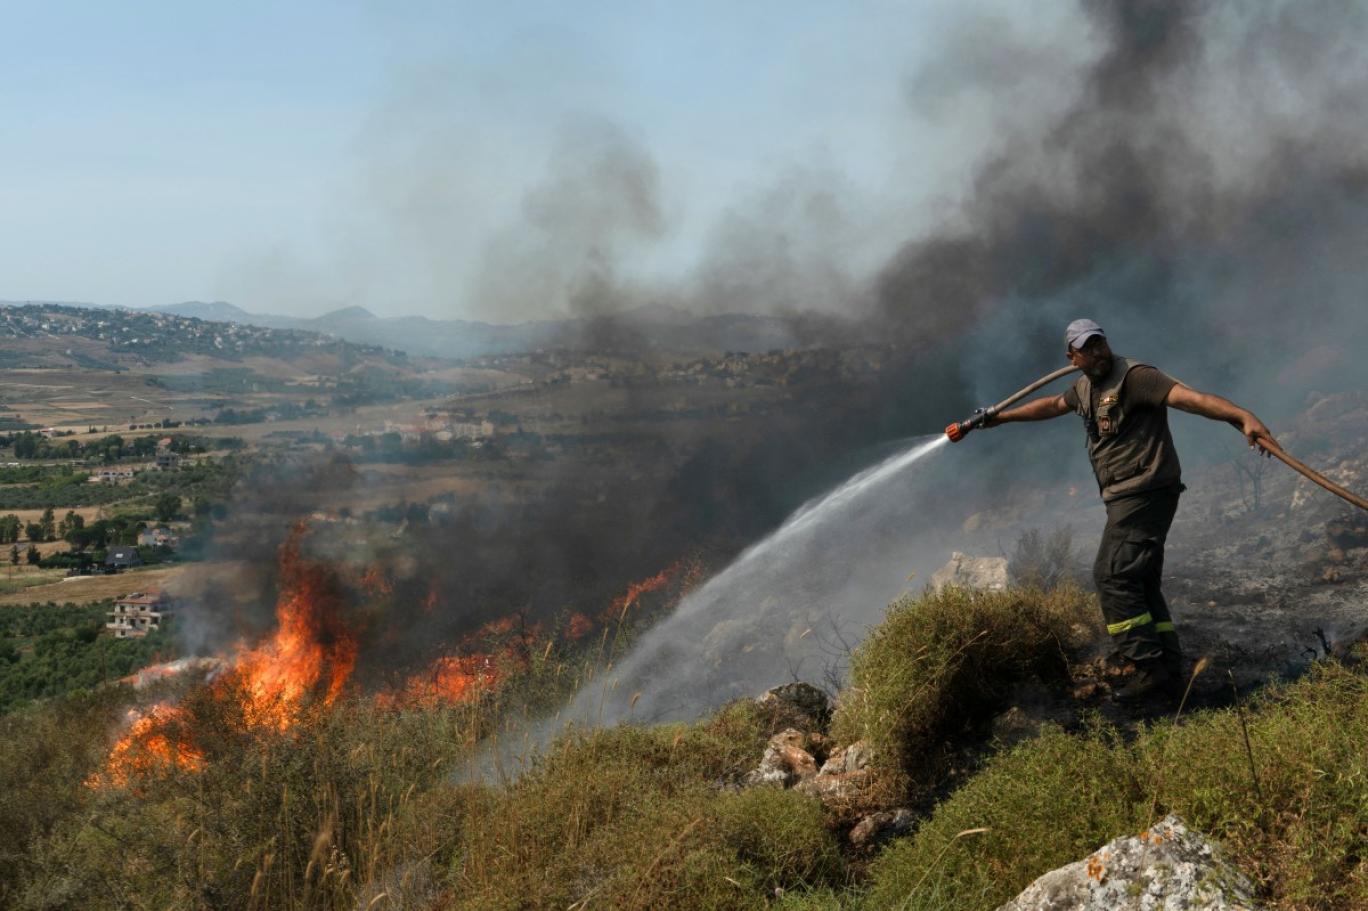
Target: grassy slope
pixel 359 807
pixel 1056 798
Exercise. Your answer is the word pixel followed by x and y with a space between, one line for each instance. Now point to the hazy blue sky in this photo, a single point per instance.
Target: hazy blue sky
pixel 301 156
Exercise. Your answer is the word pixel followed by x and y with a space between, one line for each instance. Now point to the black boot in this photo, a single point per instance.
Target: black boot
pixel 1153 681
pixel 1173 654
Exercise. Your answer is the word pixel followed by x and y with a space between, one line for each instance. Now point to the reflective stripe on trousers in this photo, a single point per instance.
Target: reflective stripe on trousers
pixel 1128 571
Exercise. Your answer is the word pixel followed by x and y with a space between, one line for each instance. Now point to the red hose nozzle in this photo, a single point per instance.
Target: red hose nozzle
pixel 979 418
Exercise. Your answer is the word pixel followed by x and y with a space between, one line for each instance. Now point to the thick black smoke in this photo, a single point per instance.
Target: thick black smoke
pixel 1200 196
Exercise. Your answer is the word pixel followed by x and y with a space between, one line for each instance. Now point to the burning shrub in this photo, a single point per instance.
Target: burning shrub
pixel 302 817
pixel 941 663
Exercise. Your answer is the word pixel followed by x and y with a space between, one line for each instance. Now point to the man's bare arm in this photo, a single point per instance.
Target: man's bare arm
pixel 1041 409
pixel 1219 409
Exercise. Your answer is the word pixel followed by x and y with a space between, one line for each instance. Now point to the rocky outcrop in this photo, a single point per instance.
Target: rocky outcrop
pixel 790 757
pixel 847 759
pixel 1167 868
pixel 796 705
pixel 801 756
pixel 989 573
pixel 843 783
pixel 800 713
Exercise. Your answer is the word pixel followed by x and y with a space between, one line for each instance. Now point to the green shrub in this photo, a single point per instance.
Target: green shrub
pixel 1055 799
pixel 943 661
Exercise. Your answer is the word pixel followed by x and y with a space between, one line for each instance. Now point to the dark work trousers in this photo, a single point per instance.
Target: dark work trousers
pixel 1128 571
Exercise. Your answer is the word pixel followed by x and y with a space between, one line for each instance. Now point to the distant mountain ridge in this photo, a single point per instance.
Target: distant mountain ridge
pixel 218 312
pixel 649 328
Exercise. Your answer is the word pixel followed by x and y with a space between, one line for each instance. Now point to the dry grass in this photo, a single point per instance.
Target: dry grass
pixel 635 818
pixel 86 589
pixel 89 513
pixel 16 579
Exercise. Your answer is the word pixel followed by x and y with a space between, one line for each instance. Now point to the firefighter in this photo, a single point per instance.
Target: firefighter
pixel 1124 406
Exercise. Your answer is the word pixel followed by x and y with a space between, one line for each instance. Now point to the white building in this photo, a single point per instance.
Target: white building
pixel 137 614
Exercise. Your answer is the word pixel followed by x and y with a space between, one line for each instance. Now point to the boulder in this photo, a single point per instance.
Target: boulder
pixel 877 828
pixel 787 760
pixel 840 792
pixel 1166 868
pixel 843 783
pixel 852 758
pixel 796 705
pixel 988 573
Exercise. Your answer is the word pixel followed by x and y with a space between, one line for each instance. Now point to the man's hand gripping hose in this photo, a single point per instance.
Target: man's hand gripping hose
pixel 1277 452
pixel 982 416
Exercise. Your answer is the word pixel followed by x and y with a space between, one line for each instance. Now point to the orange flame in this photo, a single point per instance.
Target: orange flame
pixel 452 679
pixel 484 660
pixel 310 646
pixel 310 656
pixel 155 741
pixel 578 627
pixel 645 586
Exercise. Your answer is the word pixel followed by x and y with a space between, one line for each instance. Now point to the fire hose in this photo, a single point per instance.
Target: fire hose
pixel 981 416
pixel 1310 474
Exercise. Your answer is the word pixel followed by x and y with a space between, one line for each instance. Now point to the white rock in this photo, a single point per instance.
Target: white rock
pixel 1166 868
pixel 972 572
pixel 786 761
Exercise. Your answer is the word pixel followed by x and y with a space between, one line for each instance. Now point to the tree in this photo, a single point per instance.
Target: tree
pixel 33 531
pixel 168 507
pixel 32 555
pixel 80 538
pixel 14 554
pixel 9 528
pixel 26 445
pixel 48 525
pixel 72 521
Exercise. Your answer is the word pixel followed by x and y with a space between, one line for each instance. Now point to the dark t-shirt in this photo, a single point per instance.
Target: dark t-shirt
pixel 1139 456
pixel 1144 386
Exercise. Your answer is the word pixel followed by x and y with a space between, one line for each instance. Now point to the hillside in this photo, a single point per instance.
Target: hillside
pixel 118 337
pixel 659 328
pixel 77 367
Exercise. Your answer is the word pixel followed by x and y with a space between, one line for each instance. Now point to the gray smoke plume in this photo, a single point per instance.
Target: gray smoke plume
pixel 798 246
pixel 597 205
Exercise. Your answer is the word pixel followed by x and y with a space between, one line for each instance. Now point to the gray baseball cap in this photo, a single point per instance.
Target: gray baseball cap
pixel 1080 330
